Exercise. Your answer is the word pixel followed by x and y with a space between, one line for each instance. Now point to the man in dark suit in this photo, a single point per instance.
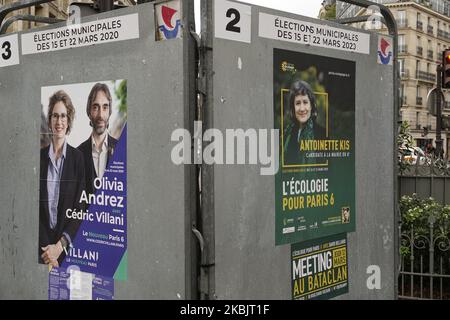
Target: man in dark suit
pixel 99 147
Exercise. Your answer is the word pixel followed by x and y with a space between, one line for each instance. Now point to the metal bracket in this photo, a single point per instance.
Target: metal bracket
pixel 204 266
pixel 32 18
pixel 196 38
pixel 8 8
pixel 201 86
pixel 356 20
pixel 201 81
pixel 200 239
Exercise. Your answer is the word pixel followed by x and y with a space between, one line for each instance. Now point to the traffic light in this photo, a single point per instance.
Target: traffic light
pixel 446 69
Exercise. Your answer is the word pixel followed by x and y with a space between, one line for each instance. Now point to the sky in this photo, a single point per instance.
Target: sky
pixel 309 8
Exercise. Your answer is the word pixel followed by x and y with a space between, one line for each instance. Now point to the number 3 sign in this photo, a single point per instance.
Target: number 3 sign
pixel 9 50
pixel 233 21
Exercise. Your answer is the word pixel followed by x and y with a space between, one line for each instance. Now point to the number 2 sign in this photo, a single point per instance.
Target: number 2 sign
pixel 233 21
pixel 9 50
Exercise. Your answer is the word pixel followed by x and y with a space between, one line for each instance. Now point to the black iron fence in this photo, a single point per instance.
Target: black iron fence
pixel 425 232
pixel 431 186
pixel 425 264
pixel 426 181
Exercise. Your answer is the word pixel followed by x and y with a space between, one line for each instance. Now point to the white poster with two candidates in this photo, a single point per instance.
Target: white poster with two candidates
pixel 83 178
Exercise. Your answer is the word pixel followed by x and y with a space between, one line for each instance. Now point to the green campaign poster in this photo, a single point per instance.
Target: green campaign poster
pixel 319 268
pixel 314 109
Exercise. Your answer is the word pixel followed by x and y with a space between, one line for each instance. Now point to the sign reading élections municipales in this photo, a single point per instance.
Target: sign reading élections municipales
pixel 81 35
pixel 314 109
pixel 319 35
pixel 319 268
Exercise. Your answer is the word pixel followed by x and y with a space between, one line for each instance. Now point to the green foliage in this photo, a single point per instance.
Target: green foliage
pixel 121 94
pixel 405 251
pixel 404 138
pixel 330 12
pixel 416 214
pixel 404 141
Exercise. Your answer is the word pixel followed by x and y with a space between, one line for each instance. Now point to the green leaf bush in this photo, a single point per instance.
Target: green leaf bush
pixel 416 214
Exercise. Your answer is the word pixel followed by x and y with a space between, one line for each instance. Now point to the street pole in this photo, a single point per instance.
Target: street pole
pixel 439 141
pixel 391 24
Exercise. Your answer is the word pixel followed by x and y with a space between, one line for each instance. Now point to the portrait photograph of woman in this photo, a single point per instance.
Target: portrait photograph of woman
pixel 301 123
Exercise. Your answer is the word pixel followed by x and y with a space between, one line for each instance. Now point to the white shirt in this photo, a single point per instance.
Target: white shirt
pixel 54 173
pixel 100 158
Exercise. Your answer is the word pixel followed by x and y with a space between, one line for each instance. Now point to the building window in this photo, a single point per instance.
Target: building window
pixel 401 17
pixel 438 5
pixel 417 120
pixel 401 44
pixel 419 24
pixel 419 46
pixel 402 94
pixel 430 52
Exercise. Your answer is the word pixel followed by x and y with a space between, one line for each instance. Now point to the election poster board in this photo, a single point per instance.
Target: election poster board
pixel 83 178
pixel 314 109
pixel 312 34
pixel 320 268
